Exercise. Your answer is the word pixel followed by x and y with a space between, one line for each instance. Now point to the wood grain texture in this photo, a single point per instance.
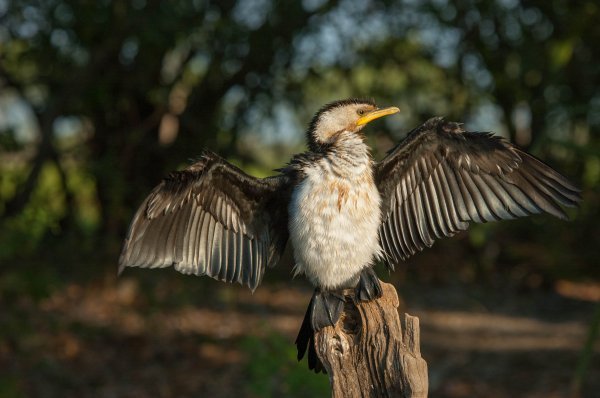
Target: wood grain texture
pixel 367 353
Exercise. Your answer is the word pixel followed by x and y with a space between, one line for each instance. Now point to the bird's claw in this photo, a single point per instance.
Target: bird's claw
pixel 369 286
pixel 326 309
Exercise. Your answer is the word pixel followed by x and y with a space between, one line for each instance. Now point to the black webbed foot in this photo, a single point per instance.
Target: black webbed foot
pixel 325 309
pixel 369 286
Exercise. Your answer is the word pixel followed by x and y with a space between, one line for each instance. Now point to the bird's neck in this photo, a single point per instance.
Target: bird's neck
pixel 350 153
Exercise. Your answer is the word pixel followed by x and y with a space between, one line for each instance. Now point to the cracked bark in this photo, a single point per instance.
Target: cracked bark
pixel 370 354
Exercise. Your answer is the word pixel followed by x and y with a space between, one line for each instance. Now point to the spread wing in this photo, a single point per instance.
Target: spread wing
pixel 211 219
pixel 441 177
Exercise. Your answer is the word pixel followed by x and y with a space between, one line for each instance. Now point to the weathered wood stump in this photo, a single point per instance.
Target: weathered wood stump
pixel 366 354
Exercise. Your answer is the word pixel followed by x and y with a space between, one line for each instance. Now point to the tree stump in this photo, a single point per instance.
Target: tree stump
pixel 366 354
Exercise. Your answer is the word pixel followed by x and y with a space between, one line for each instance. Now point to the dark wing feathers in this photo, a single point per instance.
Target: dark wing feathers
pixel 211 219
pixel 441 177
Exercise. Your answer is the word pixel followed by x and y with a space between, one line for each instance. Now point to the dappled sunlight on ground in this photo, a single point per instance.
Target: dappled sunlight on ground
pixel 460 330
pixel 114 307
pixel 106 339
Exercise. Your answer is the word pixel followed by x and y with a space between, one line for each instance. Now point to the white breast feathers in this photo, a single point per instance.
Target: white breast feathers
pixel 334 220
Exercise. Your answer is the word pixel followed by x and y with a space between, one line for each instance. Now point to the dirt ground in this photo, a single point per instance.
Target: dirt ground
pixel 134 338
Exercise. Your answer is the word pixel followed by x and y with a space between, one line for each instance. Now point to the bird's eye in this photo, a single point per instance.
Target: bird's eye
pixel 360 112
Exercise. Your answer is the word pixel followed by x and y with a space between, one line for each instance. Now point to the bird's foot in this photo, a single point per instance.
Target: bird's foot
pixel 325 309
pixel 369 286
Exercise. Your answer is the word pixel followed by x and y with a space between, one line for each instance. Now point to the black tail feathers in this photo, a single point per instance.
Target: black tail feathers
pixel 325 308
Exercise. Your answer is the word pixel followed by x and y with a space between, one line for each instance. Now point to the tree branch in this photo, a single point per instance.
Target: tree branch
pixel 368 355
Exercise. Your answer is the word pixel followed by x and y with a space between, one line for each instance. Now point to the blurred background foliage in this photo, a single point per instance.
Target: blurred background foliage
pixel 100 99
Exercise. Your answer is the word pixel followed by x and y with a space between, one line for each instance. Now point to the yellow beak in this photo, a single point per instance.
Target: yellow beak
pixel 376 114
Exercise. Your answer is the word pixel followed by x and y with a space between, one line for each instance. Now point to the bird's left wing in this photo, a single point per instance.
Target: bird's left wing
pixel 440 178
pixel 211 219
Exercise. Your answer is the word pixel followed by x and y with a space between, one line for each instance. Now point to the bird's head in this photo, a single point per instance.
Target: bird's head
pixel 349 115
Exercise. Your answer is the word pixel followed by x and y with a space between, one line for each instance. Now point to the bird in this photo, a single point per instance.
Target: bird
pixel 339 209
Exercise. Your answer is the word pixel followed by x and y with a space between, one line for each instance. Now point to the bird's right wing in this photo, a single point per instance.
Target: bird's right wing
pixel 211 219
pixel 441 177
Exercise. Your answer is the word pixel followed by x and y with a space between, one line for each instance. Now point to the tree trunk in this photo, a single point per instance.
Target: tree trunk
pixel 367 355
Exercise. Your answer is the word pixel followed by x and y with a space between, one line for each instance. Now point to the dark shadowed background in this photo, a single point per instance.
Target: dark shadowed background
pixel 100 99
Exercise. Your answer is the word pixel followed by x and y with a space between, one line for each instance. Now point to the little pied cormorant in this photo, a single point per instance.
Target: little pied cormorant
pixel 340 210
